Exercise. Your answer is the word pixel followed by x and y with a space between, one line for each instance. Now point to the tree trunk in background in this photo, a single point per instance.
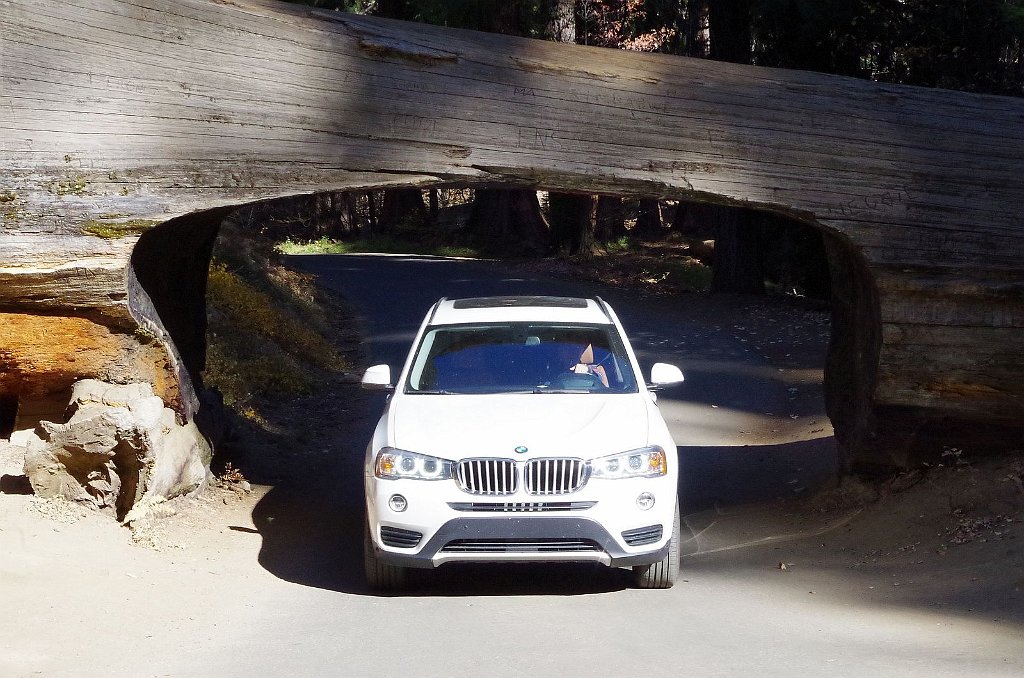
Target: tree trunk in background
pixel 729 26
pixel 334 215
pixel 508 223
pixel 738 266
pixel 648 220
pixel 571 216
pixel 610 221
pixel 434 208
pixel 737 261
pixel 794 256
pixel 693 220
pixel 696 13
pixel 690 218
pixel 402 207
pixel 561 20
pixel 371 213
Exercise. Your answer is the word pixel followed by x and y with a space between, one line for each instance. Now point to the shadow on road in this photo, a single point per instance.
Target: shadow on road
pixel 728 476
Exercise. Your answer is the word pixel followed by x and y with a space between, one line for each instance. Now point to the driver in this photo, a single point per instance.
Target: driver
pixel 585 365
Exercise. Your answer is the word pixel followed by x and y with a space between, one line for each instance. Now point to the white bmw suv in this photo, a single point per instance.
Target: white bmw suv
pixel 519 430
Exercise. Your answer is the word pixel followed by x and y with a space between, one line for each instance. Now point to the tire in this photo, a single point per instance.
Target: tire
pixel 380 576
pixel 662 574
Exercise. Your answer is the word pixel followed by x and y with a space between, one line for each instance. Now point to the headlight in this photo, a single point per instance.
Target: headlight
pixel 647 462
pixel 394 464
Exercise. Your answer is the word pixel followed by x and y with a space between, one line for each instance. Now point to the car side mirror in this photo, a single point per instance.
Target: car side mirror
pixel 662 375
pixel 377 378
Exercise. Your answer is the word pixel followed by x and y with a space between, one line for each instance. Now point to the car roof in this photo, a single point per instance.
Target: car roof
pixel 521 309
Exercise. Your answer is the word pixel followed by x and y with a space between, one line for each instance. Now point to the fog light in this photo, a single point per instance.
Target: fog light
pixel 645 501
pixel 398 503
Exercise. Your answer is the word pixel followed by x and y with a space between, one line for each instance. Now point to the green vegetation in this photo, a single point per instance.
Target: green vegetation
pixel 379 244
pixel 620 244
pixel 684 275
pixel 267 335
pixel 117 229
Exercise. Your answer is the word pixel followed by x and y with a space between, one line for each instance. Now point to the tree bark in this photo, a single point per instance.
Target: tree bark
pixel 737 262
pixel 922 186
pixel 729 28
pixel 572 223
pixel 649 224
pixel 696 16
pixel 508 223
pixel 693 220
pixel 402 208
pixel 434 209
pixel 610 221
pixel 561 20
pixel 738 266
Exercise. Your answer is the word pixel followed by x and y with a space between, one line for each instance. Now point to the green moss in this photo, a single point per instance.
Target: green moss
pixel 71 186
pixel 13 212
pixel 144 336
pixel 8 196
pixel 117 229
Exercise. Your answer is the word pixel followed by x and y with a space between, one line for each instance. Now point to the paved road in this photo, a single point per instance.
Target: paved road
pixel 743 435
pixel 277 589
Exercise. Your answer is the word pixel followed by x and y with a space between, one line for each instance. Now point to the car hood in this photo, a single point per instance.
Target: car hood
pixel 458 426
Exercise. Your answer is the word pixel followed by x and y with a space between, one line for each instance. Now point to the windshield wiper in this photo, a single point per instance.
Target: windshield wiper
pixel 548 389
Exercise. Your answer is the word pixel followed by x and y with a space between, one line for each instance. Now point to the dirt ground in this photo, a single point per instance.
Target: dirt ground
pixel 948 537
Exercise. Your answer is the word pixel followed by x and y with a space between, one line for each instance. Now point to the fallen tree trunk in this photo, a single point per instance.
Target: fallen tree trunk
pixel 121 121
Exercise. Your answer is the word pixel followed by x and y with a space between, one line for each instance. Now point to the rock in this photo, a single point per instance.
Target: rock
pixel 12 459
pixel 183 464
pixel 95 392
pixel 25 438
pixel 149 412
pixel 118 445
pixel 50 478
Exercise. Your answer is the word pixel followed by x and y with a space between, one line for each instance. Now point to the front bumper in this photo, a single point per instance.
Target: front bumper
pixel 513 539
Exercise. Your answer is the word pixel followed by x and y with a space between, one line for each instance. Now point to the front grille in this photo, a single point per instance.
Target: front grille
pixel 643 535
pixel 399 538
pixel 487 476
pixel 521 507
pixel 554 476
pixel 520 546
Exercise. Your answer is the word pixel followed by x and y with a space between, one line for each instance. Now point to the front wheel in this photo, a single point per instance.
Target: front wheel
pixel 662 574
pixel 380 576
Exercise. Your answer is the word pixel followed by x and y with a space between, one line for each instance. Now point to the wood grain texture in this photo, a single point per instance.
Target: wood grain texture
pixel 116 111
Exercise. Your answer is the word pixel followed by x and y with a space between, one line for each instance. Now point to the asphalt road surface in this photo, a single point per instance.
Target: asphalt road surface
pixel 277 588
pixel 749 427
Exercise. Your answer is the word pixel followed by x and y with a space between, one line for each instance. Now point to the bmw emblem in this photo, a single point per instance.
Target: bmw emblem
pixel 521 449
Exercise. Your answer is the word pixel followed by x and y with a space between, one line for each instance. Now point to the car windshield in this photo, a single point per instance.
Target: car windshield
pixel 521 358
